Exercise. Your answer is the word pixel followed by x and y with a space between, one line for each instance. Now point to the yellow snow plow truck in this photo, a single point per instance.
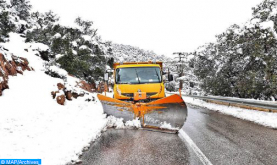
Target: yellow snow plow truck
pixel 139 92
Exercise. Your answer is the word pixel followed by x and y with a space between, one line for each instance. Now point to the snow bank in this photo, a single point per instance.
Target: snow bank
pixel 263 118
pixel 33 125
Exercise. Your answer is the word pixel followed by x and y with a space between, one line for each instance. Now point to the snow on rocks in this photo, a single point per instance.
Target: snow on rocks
pixel 18 47
pixel 263 118
pixel 10 66
pixel 64 93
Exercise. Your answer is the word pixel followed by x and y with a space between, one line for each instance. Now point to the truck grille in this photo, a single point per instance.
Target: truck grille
pixel 132 94
pixel 128 94
pixel 151 94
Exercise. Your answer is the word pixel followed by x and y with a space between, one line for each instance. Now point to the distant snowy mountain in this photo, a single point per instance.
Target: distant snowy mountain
pixel 127 53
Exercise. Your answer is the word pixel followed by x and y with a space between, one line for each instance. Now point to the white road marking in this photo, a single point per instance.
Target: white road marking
pixel 194 147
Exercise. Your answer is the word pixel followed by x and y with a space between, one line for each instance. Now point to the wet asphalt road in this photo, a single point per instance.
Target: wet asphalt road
pixel 222 139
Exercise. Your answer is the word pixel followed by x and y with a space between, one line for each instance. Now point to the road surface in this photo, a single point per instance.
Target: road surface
pixel 221 139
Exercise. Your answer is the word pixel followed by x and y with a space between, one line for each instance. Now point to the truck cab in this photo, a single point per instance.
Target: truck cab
pixel 138 77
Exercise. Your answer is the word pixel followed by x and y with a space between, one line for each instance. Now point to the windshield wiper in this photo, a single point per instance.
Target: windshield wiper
pixel 137 75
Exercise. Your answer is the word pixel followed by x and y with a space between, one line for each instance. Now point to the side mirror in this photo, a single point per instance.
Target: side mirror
pixel 170 77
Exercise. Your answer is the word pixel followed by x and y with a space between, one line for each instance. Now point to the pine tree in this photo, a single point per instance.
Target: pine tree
pixel 22 7
pixel 6 25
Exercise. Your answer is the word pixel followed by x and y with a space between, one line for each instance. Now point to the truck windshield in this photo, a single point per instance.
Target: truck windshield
pixel 138 75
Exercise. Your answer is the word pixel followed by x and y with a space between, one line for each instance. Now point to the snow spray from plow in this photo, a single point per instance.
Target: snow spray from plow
pixel 166 114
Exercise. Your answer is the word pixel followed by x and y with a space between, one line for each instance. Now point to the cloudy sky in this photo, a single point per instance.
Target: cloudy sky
pixel 164 26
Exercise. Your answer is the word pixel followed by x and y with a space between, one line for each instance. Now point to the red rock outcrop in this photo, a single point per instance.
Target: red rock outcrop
pixel 60 86
pixel 11 67
pixel 60 99
pixel 87 86
pixel 54 94
pixel 68 95
pixel 101 87
pixel 63 94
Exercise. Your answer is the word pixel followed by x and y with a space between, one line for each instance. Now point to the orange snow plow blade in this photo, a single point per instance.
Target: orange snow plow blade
pixel 167 114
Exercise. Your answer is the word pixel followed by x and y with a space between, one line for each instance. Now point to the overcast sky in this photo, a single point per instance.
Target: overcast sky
pixel 164 26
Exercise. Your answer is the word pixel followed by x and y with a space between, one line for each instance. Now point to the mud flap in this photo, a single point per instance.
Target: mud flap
pixel 166 114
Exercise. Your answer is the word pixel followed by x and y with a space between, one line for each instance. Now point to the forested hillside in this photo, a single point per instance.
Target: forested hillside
pixel 79 49
pixel 243 60
pixel 130 53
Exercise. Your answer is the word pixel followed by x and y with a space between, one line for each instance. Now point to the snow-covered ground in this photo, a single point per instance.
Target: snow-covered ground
pixel 247 99
pixel 33 125
pixel 263 118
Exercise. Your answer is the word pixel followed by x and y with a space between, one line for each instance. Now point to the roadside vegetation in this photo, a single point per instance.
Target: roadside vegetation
pixel 243 61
